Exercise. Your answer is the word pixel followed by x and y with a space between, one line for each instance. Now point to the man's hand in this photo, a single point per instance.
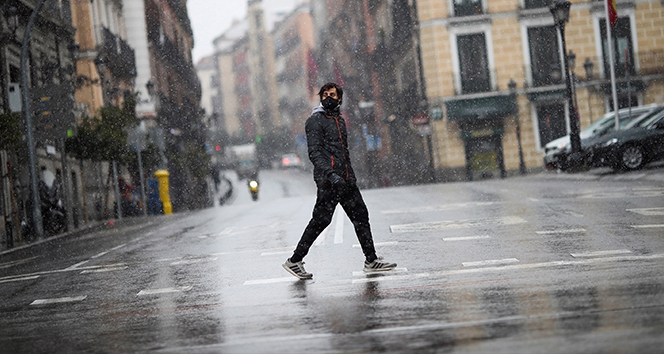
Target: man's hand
pixel 337 182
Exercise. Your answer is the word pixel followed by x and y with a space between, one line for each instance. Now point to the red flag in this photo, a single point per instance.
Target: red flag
pixel 613 12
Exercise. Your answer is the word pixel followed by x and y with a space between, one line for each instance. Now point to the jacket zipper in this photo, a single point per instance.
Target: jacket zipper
pixel 343 147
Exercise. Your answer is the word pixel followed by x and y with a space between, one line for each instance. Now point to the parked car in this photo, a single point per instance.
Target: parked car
pixel 638 144
pixel 557 151
pixel 291 161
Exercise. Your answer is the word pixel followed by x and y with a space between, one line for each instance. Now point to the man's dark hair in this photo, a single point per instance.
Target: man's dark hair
pixel 329 85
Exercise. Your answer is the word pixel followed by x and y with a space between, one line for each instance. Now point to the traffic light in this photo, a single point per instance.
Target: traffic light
pixel 53 112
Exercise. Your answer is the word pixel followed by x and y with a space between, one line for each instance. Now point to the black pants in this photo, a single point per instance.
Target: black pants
pixel 327 199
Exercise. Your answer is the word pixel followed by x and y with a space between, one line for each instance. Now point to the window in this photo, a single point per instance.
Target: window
pixel 545 65
pixel 467 7
pixel 623 50
pixel 473 63
pixel 551 121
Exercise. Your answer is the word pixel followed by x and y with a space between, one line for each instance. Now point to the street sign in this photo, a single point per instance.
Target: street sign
pixel 436 113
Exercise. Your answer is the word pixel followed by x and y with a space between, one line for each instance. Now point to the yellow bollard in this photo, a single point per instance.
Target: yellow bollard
pixel 162 177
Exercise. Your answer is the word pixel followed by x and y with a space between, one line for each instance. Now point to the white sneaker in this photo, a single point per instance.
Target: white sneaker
pixel 297 269
pixel 378 265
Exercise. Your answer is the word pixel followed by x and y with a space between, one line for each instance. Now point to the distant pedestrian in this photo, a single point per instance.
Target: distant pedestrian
pixel 336 183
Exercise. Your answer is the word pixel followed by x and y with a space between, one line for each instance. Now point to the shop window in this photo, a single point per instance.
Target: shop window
pixel 551 121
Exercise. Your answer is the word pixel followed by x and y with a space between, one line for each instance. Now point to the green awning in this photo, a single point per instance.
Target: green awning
pixel 549 95
pixel 481 107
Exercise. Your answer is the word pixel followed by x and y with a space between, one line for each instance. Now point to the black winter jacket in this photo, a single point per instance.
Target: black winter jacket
pixel 328 146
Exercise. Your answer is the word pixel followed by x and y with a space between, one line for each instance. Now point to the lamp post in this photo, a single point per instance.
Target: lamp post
pixel 522 164
pixel 560 11
pixel 588 67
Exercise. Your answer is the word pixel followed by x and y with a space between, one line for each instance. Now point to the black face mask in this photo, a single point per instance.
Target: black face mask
pixel 329 103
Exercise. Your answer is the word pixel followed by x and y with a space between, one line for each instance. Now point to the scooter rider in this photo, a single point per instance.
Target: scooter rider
pixel 335 181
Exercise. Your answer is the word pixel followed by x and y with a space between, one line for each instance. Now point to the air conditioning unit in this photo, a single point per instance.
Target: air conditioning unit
pixel 14 93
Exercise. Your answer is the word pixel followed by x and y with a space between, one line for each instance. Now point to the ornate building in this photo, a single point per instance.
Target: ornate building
pixel 471 50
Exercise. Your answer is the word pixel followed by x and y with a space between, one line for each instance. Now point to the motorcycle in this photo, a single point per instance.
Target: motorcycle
pixel 253 188
pixel 54 218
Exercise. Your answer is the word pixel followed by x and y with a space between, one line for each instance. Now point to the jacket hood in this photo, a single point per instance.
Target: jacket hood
pixel 318 109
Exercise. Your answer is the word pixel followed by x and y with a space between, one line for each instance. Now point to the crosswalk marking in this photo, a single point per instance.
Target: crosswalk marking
pixel 163 290
pixel 466 238
pixel 458 224
pixel 560 231
pixel 339 228
pixel 599 253
pixel 58 300
pixel 512 267
pixel 647 211
pixel 490 262
pixel 652 226
pixel 388 243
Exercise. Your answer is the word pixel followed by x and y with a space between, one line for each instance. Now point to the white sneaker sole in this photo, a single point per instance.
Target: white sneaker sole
pixel 295 274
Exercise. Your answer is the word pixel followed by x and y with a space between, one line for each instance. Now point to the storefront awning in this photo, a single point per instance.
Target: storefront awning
pixel 481 107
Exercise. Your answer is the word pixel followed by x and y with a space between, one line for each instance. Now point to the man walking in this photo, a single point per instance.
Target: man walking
pixel 336 183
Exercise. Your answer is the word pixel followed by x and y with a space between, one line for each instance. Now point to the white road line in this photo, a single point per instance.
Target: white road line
pixel 458 224
pixel 105 269
pixel 118 247
pixel 648 211
pixel 163 291
pixel 491 262
pixel 653 226
pixel 446 273
pixel 339 228
pixel 388 243
pixel 58 300
pixel 395 270
pixel 561 231
pixel 19 279
pixel 194 261
pixel 599 253
pixel 19 261
pixel 77 265
pixel 274 253
pixel 466 238
pixel 269 281
pixel 99 254
pixel 321 238
pixel 437 207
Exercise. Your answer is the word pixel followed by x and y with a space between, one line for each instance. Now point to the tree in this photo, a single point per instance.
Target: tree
pixel 10 131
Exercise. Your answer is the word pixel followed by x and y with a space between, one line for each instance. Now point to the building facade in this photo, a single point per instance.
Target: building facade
pixel 293 45
pixel 471 50
pixel 372 49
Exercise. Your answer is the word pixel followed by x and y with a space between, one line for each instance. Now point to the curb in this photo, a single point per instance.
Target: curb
pixel 88 228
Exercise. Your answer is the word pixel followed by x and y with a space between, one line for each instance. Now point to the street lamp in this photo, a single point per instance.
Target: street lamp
pixel 571 58
pixel 588 67
pixel 560 11
pixel 522 164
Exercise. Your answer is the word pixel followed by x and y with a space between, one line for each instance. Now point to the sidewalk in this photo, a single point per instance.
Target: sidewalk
pixel 93 226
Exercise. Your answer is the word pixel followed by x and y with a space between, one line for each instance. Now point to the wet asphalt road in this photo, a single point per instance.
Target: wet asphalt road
pixel 539 264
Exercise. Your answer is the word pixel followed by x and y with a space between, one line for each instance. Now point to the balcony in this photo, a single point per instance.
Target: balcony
pixel 121 60
pixel 169 52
